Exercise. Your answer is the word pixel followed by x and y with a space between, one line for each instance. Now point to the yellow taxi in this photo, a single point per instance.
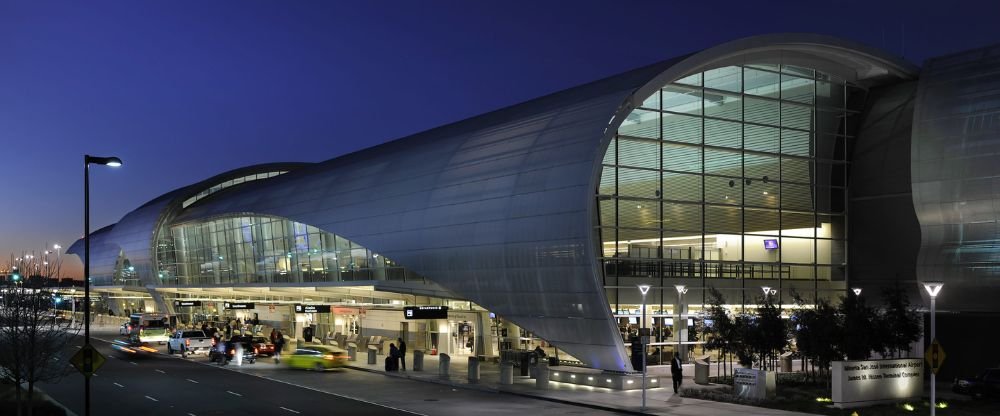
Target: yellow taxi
pixel 317 357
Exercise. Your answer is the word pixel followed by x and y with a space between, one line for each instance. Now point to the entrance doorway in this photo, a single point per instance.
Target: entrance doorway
pixel 463 337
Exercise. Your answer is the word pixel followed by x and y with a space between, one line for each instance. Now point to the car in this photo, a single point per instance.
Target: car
pixel 133 348
pixel 985 385
pixel 216 355
pixel 317 357
pixel 189 342
pixel 262 346
pixel 125 329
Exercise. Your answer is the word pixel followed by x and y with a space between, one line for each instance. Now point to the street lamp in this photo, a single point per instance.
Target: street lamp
pixel 768 291
pixel 87 161
pixel 643 336
pixel 933 288
pixel 857 291
pixel 680 291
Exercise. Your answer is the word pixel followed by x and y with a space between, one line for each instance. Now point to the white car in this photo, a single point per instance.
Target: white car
pixel 125 329
pixel 189 342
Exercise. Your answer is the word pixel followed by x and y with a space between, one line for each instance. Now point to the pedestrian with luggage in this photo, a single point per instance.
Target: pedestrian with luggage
pixel 392 361
pixel 402 354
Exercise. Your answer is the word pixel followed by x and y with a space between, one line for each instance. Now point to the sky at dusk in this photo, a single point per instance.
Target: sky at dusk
pixel 183 90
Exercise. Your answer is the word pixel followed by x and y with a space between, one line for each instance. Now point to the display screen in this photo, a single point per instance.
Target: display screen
pixel 299 308
pixel 770 244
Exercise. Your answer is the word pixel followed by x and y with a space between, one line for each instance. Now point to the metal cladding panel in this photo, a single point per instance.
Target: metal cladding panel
pixel 103 255
pixel 956 177
pixel 497 213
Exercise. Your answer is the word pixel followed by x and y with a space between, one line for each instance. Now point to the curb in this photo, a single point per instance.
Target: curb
pixel 500 391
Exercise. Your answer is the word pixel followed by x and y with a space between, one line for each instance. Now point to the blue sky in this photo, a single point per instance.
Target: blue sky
pixel 182 90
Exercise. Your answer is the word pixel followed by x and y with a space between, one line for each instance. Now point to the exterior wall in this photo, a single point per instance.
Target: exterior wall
pixel 883 226
pixel 495 209
pixel 956 177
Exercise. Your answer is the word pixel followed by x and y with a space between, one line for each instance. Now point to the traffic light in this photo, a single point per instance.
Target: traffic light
pixel 15 277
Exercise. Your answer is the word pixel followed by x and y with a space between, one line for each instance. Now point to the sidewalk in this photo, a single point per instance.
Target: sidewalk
pixel 659 401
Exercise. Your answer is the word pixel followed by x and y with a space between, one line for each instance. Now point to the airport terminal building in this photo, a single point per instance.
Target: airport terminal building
pixel 801 163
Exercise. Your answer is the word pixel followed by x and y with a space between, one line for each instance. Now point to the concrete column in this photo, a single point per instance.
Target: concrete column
pixel 680 327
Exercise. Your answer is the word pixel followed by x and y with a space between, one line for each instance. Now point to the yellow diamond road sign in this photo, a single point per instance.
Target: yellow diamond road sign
pixel 87 360
pixel 934 356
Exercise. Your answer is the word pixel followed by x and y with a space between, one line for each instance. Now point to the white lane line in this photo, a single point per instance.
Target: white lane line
pixel 191 414
pixel 77 346
pixel 310 388
pixel 119 385
pixel 150 398
pixel 195 382
pixel 133 363
pixel 234 394
pixel 290 410
pixel 161 371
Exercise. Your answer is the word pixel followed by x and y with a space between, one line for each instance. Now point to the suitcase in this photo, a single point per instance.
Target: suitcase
pixel 388 364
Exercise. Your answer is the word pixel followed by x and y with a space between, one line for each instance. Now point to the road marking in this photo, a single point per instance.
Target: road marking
pixel 133 363
pixel 191 414
pixel 161 371
pixel 55 358
pixel 290 410
pixel 77 346
pixel 195 382
pixel 234 394
pixel 119 385
pixel 150 398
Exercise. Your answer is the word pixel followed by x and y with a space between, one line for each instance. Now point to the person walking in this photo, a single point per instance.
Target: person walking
pixel 274 335
pixel 676 371
pixel 279 343
pixel 402 354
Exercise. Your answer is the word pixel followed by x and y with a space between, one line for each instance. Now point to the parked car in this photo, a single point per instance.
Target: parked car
pixel 317 357
pixel 263 346
pixel 985 385
pixel 189 342
pixel 249 356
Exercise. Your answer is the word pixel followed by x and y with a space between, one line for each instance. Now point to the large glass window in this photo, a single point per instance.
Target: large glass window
pixel 258 249
pixel 736 172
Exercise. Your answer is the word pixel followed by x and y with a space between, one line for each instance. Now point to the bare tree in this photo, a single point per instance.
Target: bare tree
pixel 35 343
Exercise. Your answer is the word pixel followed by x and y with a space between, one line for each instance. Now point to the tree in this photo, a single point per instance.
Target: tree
pixel 860 330
pixel 34 343
pixel 720 332
pixel 772 330
pixel 900 322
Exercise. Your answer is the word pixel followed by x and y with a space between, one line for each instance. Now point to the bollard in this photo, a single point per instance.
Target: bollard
pixel 473 370
pixel 507 373
pixel 418 360
pixel 352 351
pixel 542 376
pixel 444 364
pixel 372 355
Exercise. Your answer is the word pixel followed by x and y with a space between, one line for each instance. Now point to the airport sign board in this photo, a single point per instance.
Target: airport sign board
pixel 300 308
pixel 238 305
pixel 186 303
pixel 425 312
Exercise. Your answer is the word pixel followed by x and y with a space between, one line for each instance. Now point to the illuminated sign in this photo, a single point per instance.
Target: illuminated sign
pixel 185 303
pixel 300 308
pixel 865 383
pixel 771 244
pixel 425 312
pixel 235 305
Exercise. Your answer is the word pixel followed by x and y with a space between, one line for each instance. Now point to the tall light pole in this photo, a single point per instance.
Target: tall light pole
pixel 87 161
pixel 933 288
pixel 681 289
pixel 643 337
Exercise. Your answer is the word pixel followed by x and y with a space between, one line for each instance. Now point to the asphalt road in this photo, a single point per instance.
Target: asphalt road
pixel 157 384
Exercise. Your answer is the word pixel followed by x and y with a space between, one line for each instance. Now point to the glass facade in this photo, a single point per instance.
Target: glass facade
pixel 229 183
pixel 260 249
pixel 737 172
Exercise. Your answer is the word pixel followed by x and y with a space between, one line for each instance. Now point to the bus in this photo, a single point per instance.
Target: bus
pixel 150 327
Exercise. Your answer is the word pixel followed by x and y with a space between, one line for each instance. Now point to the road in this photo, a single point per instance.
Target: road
pixel 159 384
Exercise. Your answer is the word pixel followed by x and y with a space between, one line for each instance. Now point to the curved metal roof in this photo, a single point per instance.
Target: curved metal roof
pixel 498 208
